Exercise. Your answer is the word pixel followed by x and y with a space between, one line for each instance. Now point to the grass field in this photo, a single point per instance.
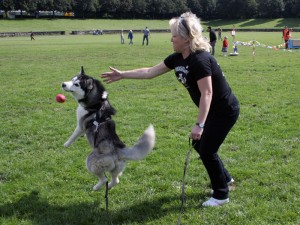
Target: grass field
pixel 70 25
pixel 42 183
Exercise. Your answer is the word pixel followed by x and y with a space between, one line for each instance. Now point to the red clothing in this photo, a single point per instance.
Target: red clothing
pixel 225 43
pixel 286 34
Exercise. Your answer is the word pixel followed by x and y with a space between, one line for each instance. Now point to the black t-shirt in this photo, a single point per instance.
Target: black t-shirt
pixel 197 66
pixel 212 36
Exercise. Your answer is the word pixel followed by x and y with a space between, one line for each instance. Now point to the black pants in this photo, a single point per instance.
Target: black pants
pixel 217 126
pixel 286 44
pixel 145 37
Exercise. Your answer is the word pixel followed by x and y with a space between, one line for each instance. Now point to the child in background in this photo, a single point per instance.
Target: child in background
pixel 122 37
pixel 225 46
pixel 233 32
pixel 130 37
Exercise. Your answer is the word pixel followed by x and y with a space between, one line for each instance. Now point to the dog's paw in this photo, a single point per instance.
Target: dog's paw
pixel 67 144
pixel 99 184
pixel 97 187
pixel 113 183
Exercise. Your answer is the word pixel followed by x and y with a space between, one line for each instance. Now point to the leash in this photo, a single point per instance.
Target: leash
pixel 187 159
pixel 97 123
pixel 106 203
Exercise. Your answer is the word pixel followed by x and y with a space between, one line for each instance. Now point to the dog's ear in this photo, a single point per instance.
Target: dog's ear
pixel 89 84
pixel 82 71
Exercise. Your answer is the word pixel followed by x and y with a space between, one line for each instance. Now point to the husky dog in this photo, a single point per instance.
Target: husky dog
pixel 94 114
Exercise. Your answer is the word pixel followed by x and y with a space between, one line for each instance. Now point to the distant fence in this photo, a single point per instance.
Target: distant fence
pixel 17 34
pixel 93 32
pixel 261 29
pixel 85 32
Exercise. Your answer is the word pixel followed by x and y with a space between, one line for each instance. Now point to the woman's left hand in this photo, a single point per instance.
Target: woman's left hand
pixel 196 133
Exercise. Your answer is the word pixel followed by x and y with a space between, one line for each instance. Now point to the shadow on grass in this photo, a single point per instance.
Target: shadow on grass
pixel 252 23
pixel 40 212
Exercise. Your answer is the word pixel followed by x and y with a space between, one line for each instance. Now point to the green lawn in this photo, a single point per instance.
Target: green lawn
pixel 69 25
pixel 42 183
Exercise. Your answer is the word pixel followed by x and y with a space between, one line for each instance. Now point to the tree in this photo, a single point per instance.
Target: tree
pixel 224 10
pixel 154 7
pixel 159 9
pixel 55 5
pixel 110 6
pixel 289 6
pixel 195 7
pixel 124 8
pixel 7 5
pixel 270 8
pixel 25 5
pixel 139 7
pixel 208 8
pixel 166 8
pixel 85 8
pixel 236 9
pixel 178 7
pixel 244 9
pixel 250 10
pixel 297 8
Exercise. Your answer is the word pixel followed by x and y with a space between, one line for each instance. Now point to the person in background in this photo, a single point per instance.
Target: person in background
pixel 233 33
pixel 122 37
pixel 286 36
pixel 130 37
pixel 212 40
pixel 219 33
pixel 225 46
pixel 32 36
pixel 201 75
pixel 146 35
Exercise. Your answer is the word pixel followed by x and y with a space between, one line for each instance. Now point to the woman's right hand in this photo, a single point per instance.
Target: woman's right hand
pixel 114 75
pixel 196 133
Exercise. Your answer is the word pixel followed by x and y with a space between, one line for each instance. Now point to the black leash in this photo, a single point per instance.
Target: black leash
pixel 187 159
pixel 97 122
pixel 106 203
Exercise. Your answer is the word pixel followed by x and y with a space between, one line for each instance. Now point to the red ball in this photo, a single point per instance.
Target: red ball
pixel 60 98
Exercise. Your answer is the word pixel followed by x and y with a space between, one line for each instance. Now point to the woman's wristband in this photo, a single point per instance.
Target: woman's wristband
pixel 201 125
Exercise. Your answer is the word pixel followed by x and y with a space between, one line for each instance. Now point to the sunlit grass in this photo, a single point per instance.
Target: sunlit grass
pixel 43 183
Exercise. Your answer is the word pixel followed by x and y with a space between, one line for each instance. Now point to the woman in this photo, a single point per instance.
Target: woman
pixel 200 73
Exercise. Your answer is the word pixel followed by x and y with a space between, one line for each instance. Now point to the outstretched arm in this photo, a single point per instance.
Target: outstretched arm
pixel 141 73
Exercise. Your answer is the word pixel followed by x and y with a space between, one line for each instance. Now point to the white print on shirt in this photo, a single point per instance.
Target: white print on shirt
pixel 181 73
pixel 181 78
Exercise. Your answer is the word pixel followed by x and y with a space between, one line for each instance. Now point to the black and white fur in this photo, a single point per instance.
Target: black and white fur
pixel 109 153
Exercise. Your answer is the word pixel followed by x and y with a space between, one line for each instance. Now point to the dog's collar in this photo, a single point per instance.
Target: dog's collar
pixel 94 108
pixel 103 99
pixel 101 121
pixel 98 118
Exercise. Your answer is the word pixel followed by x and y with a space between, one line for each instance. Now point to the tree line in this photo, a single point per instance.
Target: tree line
pixel 159 9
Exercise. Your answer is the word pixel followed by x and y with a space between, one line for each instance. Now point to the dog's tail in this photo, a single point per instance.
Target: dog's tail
pixel 142 148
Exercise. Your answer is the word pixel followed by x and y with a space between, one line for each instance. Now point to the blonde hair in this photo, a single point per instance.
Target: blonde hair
pixel 188 26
